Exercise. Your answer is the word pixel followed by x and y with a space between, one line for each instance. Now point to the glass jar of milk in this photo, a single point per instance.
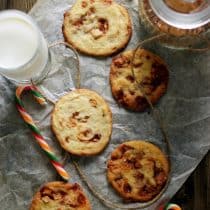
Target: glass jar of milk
pixel 24 54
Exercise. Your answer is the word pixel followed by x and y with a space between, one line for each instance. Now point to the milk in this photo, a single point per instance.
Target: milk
pixel 23 49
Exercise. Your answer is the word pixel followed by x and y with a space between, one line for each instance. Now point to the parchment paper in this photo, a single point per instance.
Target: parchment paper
pixel 185 109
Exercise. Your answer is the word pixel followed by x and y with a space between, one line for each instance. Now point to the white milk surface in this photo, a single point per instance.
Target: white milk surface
pixel 18 43
pixel 21 43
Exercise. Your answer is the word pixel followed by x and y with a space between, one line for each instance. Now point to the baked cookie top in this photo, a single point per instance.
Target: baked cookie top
pixel 82 122
pixel 60 196
pixel 138 170
pixel 97 27
pixel 150 71
pixel 185 6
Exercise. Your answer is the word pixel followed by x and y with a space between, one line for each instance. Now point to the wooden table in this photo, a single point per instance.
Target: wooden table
pixel 195 193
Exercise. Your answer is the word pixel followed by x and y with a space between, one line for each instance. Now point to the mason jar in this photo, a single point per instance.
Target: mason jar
pixel 184 22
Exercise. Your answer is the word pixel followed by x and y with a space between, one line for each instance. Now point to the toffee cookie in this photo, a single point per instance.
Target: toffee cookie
pixel 60 196
pixel 97 27
pixel 82 122
pixel 138 170
pixel 150 71
pixel 185 6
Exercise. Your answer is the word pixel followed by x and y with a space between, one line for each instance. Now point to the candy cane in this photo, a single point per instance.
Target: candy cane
pixel 35 130
pixel 172 206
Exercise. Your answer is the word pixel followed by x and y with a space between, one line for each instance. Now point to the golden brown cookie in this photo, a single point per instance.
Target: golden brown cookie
pixel 82 122
pixel 60 196
pixel 97 27
pixel 150 71
pixel 184 6
pixel 138 170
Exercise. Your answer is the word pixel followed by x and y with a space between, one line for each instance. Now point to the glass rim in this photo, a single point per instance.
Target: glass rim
pixel 180 20
pixel 27 18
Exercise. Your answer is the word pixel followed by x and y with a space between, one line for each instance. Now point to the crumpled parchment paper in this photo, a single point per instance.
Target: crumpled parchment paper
pixel 185 109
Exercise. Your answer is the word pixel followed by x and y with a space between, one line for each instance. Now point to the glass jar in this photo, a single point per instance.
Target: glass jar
pixel 183 21
pixel 24 52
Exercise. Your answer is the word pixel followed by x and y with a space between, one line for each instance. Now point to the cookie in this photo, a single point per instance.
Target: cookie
pixel 97 27
pixel 60 196
pixel 138 170
pixel 185 6
pixel 150 71
pixel 82 122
